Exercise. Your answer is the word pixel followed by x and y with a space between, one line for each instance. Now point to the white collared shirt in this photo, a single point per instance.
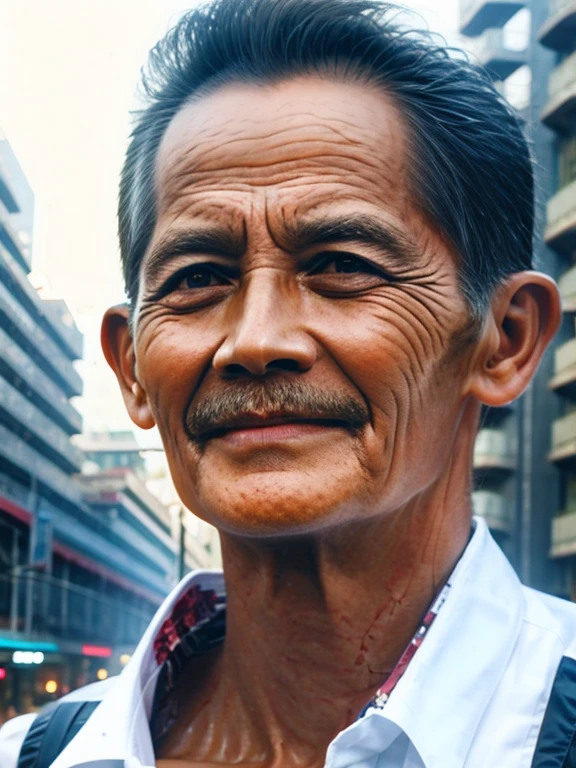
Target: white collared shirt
pixel 474 695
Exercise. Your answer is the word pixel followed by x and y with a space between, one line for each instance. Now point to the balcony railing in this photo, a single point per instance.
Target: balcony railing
pixel 155 573
pixel 101 486
pixel 564 379
pixel 89 533
pixel 561 219
pixel 564 440
pixel 491 52
pixel 70 612
pixel 564 535
pixel 44 312
pixel 560 110
pixel 559 29
pixel 494 449
pixel 478 15
pixel 11 241
pixel 16 365
pixel 60 318
pixel 6 194
pixel 494 508
pixel 16 451
pixel 43 433
pixel 48 354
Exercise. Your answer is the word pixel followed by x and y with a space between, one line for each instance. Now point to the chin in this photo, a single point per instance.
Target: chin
pixel 273 504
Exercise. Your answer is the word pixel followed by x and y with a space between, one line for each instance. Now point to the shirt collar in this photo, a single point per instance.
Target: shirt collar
pixel 462 660
pixel 441 698
pixel 119 729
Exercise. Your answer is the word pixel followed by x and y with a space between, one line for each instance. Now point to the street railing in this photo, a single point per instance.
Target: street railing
pixel 43 604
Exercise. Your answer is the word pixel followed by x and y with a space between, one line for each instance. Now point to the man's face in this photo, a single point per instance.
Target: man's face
pixel 298 327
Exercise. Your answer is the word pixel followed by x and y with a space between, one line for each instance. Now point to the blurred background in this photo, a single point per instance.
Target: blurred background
pixel 92 534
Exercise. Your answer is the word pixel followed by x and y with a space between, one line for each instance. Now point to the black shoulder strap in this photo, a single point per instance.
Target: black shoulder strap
pixel 52 730
pixel 556 747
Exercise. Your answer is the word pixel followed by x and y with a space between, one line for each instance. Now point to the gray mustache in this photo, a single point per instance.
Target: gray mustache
pixel 292 399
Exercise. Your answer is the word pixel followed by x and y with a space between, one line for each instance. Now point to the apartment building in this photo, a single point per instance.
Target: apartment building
pixel 79 578
pixel 525 458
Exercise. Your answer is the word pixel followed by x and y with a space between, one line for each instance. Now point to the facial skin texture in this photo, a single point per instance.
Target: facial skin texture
pixel 337 532
pixel 382 343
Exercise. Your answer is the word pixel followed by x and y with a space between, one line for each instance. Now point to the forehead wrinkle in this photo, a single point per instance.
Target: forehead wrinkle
pixel 199 208
pixel 306 155
pixel 367 166
pixel 304 112
pixel 355 171
pixel 248 152
pixel 334 134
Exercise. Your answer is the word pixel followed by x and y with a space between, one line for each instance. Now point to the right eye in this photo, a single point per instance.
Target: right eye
pixel 200 276
pixel 195 286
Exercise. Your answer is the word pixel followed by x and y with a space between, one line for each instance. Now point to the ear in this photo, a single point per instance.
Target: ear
pixel 524 316
pixel 118 347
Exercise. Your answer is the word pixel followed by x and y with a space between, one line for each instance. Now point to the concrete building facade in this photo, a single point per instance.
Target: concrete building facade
pixel 84 562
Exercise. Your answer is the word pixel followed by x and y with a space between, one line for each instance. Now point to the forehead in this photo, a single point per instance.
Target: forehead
pixel 309 140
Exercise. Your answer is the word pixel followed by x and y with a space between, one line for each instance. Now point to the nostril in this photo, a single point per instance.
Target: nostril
pixel 234 369
pixel 284 365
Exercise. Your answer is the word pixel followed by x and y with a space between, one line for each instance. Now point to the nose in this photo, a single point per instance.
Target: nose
pixel 266 332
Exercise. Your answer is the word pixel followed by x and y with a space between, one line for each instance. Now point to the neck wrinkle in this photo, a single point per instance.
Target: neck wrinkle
pixel 315 625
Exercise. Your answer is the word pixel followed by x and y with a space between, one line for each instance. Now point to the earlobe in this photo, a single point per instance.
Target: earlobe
pixel 523 318
pixel 118 347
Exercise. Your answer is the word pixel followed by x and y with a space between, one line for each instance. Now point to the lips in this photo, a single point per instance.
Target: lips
pixel 235 408
pixel 253 421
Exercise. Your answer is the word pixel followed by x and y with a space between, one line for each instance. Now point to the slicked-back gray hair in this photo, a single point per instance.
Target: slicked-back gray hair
pixel 470 167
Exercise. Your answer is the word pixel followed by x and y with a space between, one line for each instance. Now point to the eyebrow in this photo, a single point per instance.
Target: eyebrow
pixel 302 235
pixel 213 241
pixel 356 228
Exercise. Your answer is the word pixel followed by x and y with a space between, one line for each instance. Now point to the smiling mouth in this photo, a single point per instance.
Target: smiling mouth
pixel 271 427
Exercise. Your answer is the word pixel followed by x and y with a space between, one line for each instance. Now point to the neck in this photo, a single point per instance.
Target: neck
pixel 315 624
pixel 320 624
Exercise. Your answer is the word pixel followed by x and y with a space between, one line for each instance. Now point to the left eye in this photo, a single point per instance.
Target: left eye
pixel 344 274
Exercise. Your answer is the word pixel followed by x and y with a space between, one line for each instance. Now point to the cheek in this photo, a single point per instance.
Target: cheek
pixel 171 358
pixel 390 347
pixel 394 351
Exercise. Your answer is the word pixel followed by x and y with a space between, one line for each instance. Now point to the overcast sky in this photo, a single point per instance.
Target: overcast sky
pixel 68 74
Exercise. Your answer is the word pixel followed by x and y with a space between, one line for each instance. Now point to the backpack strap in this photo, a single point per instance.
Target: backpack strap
pixel 52 731
pixel 556 747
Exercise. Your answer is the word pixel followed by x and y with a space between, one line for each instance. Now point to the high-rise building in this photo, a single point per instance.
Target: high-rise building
pixel 556 33
pixel 525 458
pixel 116 477
pixel 83 563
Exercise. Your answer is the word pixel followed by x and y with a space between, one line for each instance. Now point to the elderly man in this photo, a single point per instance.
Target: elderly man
pixel 326 232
